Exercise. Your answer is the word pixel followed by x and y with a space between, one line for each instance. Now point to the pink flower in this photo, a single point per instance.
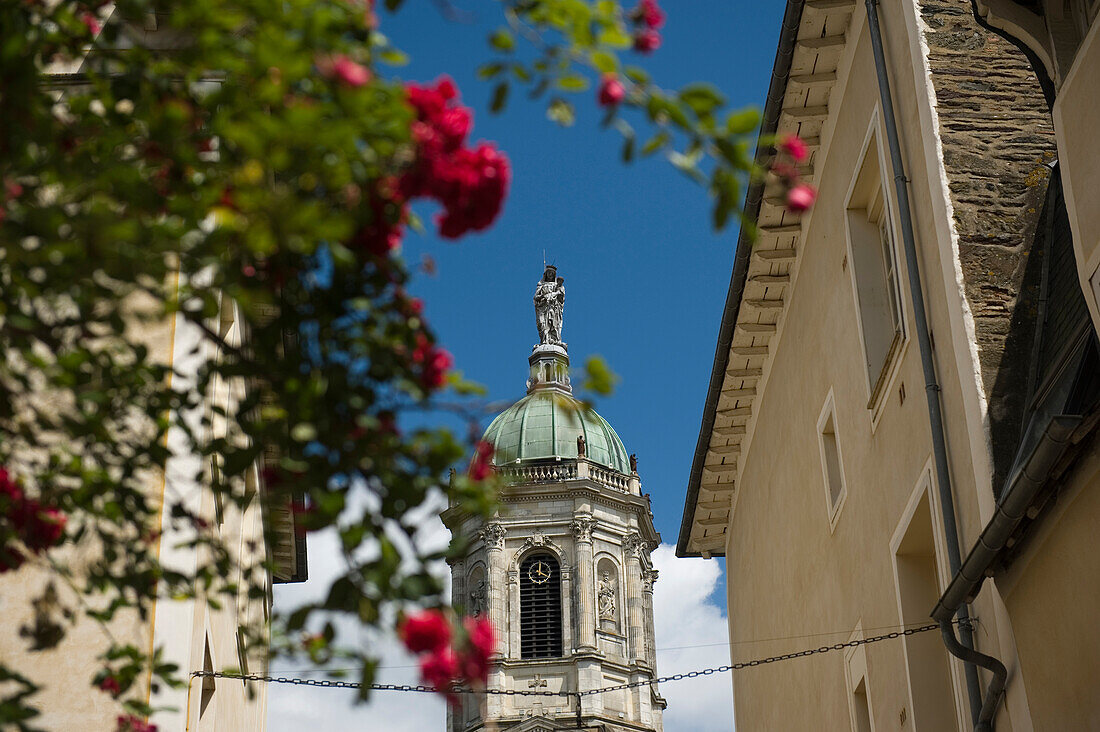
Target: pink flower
pixel 611 91
pixel 349 72
pixel 651 14
pixel 647 41
pixel 91 23
pixel 794 146
pixel 439 669
pixel 801 197
pixel 425 631
pixel 110 685
pixel 475 660
pixel 786 172
pixel 133 723
pixel 480 465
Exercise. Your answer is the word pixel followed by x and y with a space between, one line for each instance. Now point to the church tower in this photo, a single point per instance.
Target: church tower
pixel 563 571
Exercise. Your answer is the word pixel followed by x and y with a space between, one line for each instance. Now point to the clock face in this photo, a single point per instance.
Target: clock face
pixel 539 572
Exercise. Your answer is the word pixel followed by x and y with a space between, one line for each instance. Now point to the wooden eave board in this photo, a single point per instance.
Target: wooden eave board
pixel 821 19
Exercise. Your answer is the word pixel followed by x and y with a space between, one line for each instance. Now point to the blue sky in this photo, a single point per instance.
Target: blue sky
pixel 645 279
pixel 645 274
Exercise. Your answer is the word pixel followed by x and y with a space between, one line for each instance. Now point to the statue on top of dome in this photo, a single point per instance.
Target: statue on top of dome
pixel 550 306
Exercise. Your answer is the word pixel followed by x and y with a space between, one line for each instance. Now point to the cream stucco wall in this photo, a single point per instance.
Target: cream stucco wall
pixel 1052 591
pixel 789 573
pixel 67 699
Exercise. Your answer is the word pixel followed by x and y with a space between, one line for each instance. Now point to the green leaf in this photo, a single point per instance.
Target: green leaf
pixel 701 98
pixel 501 39
pixel 572 83
pixel 614 36
pixel 598 377
pixel 488 71
pixel 636 74
pixel 743 121
pixel 604 62
pixel 393 57
pixel 561 112
pixel 500 97
pixel 628 149
pixel 655 143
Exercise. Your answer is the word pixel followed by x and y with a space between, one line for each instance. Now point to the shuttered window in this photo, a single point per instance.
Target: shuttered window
pixel 540 607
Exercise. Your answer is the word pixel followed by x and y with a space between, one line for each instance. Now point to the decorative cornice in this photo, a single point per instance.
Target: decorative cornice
pixel 635 545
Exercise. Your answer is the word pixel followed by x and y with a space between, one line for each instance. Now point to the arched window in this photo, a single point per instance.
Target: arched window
pixel 540 607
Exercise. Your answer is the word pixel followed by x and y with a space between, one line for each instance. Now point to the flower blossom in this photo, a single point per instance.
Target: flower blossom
pixel 475 659
pixel 611 91
pixel 434 363
pixel 480 466
pixel 134 723
pixel 427 631
pixel 343 68
pixel 801 197
pixel 794 146
pixel 25 519
pixel 647 41
pixel 651 14
pixel 110 685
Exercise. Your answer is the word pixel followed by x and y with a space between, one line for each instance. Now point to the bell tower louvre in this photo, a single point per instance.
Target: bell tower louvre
pixel 563 570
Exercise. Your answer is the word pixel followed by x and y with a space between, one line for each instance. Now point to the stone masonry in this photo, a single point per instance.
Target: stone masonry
pixel 997 142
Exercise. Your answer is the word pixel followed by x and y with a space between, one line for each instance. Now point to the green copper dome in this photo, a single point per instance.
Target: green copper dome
pixel 546 424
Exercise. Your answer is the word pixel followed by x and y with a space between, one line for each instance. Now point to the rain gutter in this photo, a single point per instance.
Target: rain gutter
pixel 792 18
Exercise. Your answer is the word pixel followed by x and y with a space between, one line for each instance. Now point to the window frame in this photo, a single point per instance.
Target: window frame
pixel 880 214
pixel 832 506
pixel 525 588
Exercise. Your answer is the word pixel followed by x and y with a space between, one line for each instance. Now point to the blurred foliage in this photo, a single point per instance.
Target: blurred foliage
pixel 173 168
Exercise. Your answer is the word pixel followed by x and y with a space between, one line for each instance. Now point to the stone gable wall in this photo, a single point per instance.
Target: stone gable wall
pixel 998 140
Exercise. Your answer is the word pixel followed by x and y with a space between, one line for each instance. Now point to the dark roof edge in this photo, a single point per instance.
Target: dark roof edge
pixel 792 18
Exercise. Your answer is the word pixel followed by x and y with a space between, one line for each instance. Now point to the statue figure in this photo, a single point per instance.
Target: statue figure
pixel 606 597
pixel 634 464
pixel 550 306
pixel 477 599
pixel 582 446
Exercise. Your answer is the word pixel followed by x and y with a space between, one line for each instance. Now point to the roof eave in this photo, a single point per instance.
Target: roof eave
pixel 792 18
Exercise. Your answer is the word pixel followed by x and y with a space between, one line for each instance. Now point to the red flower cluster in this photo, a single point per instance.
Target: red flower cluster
pixel 480 466
pixel 470 183
pixel 133 723
pixel 443 663
pixel 648 19
pixel 792 150
pixel 27 520
pixel 433 361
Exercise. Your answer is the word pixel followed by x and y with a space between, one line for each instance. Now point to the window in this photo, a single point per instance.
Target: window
pixel 540 607
pixel 832 465
pixel 859 702
pixel 873 255
pixel 930 683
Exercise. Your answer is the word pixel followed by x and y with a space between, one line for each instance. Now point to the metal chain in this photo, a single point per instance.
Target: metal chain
pixel 327 683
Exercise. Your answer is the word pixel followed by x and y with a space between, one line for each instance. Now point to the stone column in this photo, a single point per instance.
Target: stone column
pixel 458 584
pixel 634 545
pixel 649 578
pixel 568 637
pixel 586 582
pixel 512 640
pixel 493 536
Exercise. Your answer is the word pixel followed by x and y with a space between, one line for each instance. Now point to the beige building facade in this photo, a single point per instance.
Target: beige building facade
pixel 900 371
pixel 189 633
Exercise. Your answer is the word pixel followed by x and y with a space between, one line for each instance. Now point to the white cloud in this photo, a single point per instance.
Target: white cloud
pixel 691 634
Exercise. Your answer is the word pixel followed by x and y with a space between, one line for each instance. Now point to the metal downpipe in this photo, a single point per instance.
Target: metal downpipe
pixel 984 722
pixel 931 385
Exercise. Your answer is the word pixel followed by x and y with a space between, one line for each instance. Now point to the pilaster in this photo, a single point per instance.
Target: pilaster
pixel 586 582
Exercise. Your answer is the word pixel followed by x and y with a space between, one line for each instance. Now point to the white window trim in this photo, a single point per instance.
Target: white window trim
pixel 832 509
pixel 924 486
pixel 855 660
pixel 893 362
